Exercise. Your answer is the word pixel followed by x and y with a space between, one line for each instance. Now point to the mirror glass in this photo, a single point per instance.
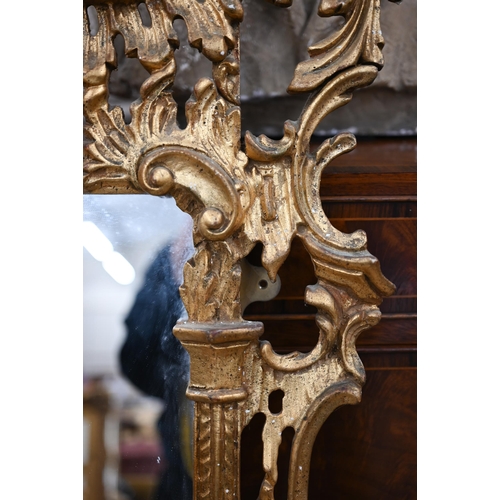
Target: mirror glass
pixel 136 419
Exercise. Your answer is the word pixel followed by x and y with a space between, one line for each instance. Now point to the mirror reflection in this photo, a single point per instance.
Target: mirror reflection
pixel 137 421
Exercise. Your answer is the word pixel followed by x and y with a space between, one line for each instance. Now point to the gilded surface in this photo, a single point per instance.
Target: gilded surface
pixel 267 192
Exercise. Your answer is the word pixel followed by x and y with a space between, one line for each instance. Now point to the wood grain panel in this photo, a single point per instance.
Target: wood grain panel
pixel 370 207
pixel 368 451
pixel 386 357
pixel 296 305
pixel 300 333
pixel 336 183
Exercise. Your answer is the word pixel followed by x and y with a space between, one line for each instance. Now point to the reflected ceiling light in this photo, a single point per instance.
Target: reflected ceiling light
pixel 95 242
pixel 114 263
pixel 119 268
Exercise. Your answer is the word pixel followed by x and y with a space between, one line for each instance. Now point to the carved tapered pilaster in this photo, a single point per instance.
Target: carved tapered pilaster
pixel 217 385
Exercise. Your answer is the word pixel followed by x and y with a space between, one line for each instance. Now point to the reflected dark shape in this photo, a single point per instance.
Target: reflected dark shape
pixel 154 361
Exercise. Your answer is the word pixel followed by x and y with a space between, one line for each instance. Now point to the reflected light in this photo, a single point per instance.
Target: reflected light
pixel 114 263
pixel 95 242
pixel 119 268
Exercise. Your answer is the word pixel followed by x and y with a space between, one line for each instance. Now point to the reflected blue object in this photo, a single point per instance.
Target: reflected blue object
pixel 155 362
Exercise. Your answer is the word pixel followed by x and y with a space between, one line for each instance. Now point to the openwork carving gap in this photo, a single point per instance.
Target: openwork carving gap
pixel 268 193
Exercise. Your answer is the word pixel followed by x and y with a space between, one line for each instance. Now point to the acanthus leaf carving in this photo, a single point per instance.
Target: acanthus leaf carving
pixel 111 156
pixel 209 24
pixel 358 40
pixel 215 125
pixel 217 276
pixel 148 43
pixel 153 154
pixel 227 78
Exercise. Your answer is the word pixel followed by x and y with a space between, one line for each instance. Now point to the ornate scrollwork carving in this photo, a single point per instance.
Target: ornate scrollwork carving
pixel 268 193
pixel 358 40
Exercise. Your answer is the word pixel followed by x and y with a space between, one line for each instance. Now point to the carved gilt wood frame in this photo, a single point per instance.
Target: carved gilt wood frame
pixel 267 192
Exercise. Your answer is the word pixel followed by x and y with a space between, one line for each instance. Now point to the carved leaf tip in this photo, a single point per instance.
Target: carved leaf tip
pixel 359 319
pixel 333 147
pixel 227 78
pixel 264 149
pixel 160 79
pixel 328 8
pixel 210 24
pixel 233 9
pixel 358 41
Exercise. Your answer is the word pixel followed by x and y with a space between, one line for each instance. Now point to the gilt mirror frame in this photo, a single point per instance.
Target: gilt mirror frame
pixel 267 192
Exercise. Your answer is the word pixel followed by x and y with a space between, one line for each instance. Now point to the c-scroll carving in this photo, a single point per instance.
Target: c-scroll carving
pixel 268 193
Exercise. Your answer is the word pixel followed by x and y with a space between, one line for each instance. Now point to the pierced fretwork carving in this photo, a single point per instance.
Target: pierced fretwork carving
pixel 268 193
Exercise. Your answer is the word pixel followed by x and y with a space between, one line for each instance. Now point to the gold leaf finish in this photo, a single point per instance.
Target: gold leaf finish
pixel 268 193
pixel 209 24
pixel 358 41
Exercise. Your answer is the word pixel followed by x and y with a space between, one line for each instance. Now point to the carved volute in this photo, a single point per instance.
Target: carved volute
pixel 264 191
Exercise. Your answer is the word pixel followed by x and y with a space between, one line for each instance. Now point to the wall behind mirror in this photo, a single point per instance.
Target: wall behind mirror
pixel 122 236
